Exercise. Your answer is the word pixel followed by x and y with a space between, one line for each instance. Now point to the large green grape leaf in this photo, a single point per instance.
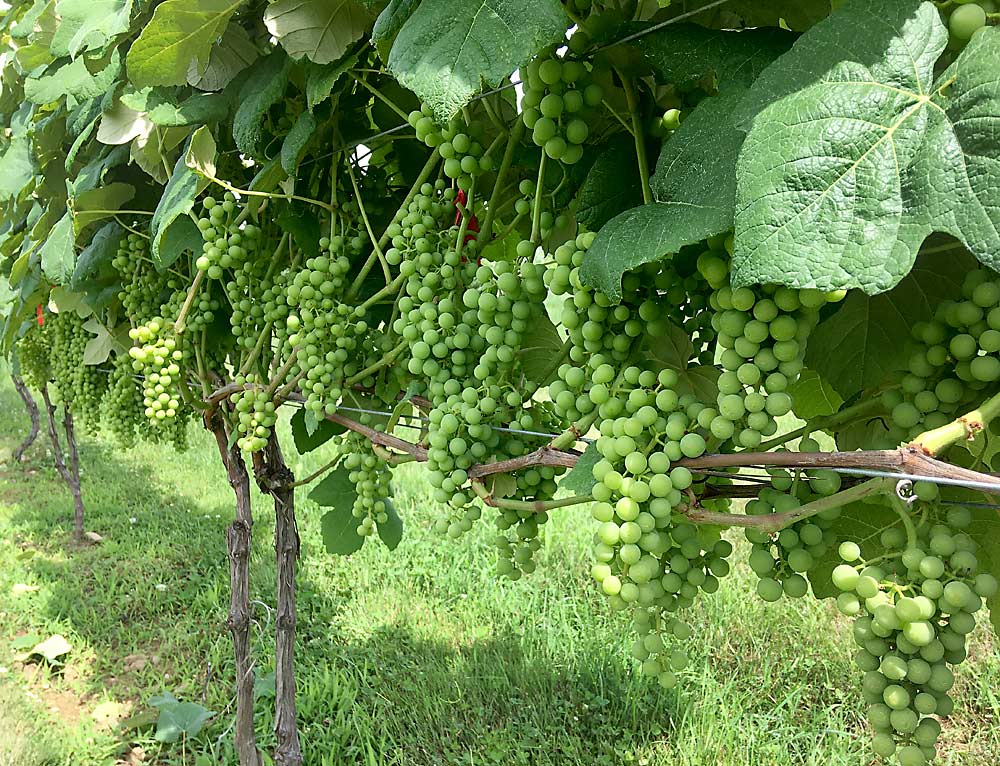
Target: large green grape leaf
pixel 321 80
pixel 446 50
pixel 319 30
pixel 695 188
pixel 178 37
pixel 58 253
pixel 338 525
pixel 863 343
pixel 72 81
pixel 683 53
pixel 17 168
pixel 862 522
pixel 177 200
pixel 96 256
pixel 388 24
pixel 840 182
pixel 230 55
pixel 612 185
pixel 87 25
pixel 813 396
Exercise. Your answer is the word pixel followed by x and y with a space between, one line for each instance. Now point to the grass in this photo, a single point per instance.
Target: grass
pixel 417 657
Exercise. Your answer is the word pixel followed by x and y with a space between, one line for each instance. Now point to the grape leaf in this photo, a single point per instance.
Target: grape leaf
pixel 321 80
pixel 388 24
pixel 985 530
pixel 684 53
pixel 307 439
pixel 695 188
pixel 178 37
pixel 446 50
pixel 861 344
pixel 233 53
pixel 95 256
pixel 319 30
pixel 162 109
pixel 17 168
pixel 391 532
pixel 841 182
pixel 612 185
pixel 813 396
pixel 338 525
pixel 263 89
pixel 580 480
pixel 862 522
pixel 297 141
pixel 98 204
pixel 58 255
pixel 541 348
pixel 177 200
pixel 87 25
pixel 72 81
pixel 673 350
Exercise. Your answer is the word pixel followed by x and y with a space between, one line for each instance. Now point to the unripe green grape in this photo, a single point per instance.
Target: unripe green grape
pixel 965 21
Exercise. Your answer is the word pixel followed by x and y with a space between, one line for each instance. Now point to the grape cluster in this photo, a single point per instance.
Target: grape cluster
pixel 459 145
pixel 558 94
pixel 142 286
pixel 81 386
pixel 761 337
pixel 255 414
pixel 956 356
pixel 371 477
pixel 227 245
pixel 782 560
pixel 915 606
pixel 34 351
pixel 157 358
pixel 327 332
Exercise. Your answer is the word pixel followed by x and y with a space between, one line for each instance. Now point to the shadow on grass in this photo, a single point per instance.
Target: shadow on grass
pixel 147 607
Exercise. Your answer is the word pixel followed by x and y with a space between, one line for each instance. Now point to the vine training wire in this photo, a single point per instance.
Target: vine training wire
pixel 416 421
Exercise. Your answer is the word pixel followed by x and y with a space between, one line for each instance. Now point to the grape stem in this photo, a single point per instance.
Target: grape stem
pixel 640 138
pixel 385 361
pixel 536 213
pixel 775 522
pixel 425 174
pixel 513 139
pixel 315 474
pixel 903 512
pixel 526 506
pixel 182 316
pixel 390 457
pixel 380 95
pixel 854 412
pixel 368 226
pixel 963 428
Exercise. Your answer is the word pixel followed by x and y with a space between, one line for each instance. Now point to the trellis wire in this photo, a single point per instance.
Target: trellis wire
pixel 751 478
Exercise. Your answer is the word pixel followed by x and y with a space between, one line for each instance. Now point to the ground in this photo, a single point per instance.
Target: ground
pixel 418 657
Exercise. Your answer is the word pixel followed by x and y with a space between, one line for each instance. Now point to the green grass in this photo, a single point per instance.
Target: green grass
pixel 417 657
